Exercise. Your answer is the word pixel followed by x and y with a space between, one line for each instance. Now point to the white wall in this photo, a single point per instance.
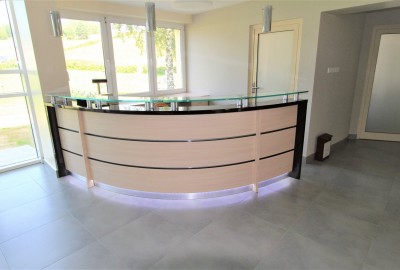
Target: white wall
pixel 218 47
pixel 48 49
pixel 338 46
pixel 372 19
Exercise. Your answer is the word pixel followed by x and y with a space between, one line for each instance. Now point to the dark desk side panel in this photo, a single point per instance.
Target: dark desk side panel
pixel 61 170
pixel 299 142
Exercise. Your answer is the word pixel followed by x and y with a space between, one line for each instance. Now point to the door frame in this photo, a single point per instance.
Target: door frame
pixel 278 26
pixel 377 32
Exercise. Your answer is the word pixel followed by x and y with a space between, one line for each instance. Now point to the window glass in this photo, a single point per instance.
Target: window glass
pixel 11 83
pixel 131 58
pixel 84 57
pixel 17 143
pixel 8 56
pixel 169 59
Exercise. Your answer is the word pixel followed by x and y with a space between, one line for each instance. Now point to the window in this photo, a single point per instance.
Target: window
pixel 84 55
pixel 134 62
pixel 130 58
pixel 17 141
pixel 169 59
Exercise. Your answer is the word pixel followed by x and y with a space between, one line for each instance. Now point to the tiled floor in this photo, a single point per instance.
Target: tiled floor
pixel 343 214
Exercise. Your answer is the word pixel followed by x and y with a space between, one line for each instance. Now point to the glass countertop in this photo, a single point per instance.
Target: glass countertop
pixel 174 98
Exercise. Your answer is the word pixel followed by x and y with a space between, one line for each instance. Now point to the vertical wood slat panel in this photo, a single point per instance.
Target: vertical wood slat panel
pixel 275 166
pixel 277 142
pixel 70 141
pixel 74 163
pixel 170 127
pixel 173 181
pixel 88 169
pixel 67 119
pixel 278 118
pixel 171 154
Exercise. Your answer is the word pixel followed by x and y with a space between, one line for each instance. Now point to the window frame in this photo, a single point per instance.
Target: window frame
pixel 26 93
pixel 108 50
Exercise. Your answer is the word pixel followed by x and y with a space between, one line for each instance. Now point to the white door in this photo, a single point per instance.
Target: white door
pixel 275 58
pixel 381 111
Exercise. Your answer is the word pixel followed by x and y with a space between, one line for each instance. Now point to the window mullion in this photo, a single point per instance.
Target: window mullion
pixel 109 58
pixel 151 55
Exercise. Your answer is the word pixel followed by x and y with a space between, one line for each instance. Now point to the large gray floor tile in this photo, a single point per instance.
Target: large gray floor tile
pixel 200 255
pixel 393 205
pixel 108 215
pixel 93 256
pixel 365 210
pixel 303 189
pixel 369 267
pixel 29 216
pixel 318 172
pixel 376 168
pixel 355 181
pixel 385 250
pixel 299 253
pixel 361 189
pixel 52 184
pixel 376 154
pixel 389 221
pixel 13 179
pixel 238 240
pixel 79 196
pixel 276 207
pixel 343 233
pixel 239 234
pixel 194 215
pixel 19 195
pixel 45 245
pixel 144 241
pixel 38 171
pixel 3 262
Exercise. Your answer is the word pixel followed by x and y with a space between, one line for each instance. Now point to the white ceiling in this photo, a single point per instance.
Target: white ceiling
pixel 196 6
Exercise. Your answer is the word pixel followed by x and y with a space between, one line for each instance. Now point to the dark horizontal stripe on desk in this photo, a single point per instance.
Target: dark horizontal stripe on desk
pixel 171 141
pixel 173 168
pixel 276 130
pixel 67 129
pixel 72 152
pixel 281 153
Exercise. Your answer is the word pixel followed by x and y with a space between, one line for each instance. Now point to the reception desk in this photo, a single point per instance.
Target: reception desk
pixel 148 151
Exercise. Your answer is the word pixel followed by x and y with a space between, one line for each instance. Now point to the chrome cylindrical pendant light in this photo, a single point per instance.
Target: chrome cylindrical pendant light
pixel 150 17
pixel 267 19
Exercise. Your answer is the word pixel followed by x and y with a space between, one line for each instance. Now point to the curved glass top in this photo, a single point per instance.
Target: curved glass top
pixel 176 98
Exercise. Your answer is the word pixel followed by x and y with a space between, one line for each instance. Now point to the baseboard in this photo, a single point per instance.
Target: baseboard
pixel 352 137
pixel 49 165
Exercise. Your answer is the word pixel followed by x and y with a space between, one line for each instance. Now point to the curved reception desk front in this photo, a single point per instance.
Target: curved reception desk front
pixel 179 152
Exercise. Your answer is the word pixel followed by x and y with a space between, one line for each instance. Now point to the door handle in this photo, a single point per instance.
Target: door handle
pixel 254 89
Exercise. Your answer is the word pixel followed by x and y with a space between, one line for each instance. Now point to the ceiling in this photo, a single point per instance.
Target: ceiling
pixel 182 6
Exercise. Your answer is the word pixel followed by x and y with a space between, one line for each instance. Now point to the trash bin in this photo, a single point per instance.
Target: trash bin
pixel 323 147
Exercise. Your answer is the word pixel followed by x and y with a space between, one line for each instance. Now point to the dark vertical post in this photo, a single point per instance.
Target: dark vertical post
pixel 299 142
pixel 55 135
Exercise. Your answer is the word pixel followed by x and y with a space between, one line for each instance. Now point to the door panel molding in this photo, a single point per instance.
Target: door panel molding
pixel 378 31
pixel 294 25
